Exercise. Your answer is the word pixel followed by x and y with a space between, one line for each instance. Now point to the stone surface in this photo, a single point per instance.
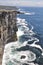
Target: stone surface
pixel 23 57
pixel 1 55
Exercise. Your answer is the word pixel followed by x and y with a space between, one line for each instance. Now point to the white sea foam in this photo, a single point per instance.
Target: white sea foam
pixel 19 33
pixel 19 9
pixel 28 13
pixel 17 56
pixel 7 52
pixel 31 33
pixel 27 55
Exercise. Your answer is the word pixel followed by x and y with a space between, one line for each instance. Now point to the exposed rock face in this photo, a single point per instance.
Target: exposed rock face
pixel 1 55
pixel 8 30
pixel 23 57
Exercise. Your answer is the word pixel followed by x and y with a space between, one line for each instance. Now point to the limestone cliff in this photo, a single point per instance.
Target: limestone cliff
pixel 8 29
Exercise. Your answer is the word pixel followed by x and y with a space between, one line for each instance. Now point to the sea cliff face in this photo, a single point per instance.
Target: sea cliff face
pixel 8 29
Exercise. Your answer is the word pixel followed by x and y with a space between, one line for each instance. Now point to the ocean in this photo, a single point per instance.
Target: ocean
pixel 28 49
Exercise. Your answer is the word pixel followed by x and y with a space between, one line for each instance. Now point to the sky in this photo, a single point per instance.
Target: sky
pixel 30 3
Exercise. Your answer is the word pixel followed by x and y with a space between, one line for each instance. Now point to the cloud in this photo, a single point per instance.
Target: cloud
pixel 40 4
pixel 8 2
pixel 34 3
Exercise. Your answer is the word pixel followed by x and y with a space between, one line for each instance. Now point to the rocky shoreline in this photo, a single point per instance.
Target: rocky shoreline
pixel 8 28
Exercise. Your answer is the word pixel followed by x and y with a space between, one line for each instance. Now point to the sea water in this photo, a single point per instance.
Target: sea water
pixel 28 49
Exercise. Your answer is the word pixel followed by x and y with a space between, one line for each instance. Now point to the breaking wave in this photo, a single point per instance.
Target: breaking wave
pixel 25 51
pixel 30 13
pixel 26 12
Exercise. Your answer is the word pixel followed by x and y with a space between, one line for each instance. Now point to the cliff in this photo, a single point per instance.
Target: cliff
pixel 8 27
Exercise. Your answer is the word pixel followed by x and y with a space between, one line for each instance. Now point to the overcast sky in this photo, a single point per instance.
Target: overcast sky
pixel 34 3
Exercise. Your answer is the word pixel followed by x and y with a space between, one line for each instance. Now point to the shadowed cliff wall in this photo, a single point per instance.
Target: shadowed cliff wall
pixel 8 29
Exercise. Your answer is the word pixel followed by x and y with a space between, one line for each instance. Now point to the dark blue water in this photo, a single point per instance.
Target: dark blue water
pixel 36 20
